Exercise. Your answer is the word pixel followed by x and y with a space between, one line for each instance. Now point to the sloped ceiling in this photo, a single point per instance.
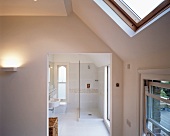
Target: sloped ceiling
pixel 34 7
pixel 152 42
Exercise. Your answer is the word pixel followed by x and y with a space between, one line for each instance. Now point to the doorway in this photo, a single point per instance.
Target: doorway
pixel 84 85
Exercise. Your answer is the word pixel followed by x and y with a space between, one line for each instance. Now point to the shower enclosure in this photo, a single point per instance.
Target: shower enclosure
pixel 88 91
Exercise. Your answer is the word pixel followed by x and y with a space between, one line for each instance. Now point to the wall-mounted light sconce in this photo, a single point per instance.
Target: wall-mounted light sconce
pixel 10 63
pixel 9 69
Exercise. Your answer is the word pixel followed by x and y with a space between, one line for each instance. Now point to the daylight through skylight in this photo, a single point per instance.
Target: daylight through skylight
pixel 142 7
pixel 134 15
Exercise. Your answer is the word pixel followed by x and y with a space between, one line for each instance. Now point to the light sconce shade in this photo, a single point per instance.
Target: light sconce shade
pixel 9 69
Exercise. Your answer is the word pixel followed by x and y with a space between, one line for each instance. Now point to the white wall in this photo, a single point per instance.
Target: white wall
pixel 24 92
pixel 117 97
pixel 131 89
pixel 151 44
pixel 0 104
pixel 0 83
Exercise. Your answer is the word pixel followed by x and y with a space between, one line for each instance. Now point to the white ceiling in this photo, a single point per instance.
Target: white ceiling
pixel 34 8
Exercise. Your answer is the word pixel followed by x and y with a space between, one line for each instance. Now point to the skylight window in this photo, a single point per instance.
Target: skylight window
pixel 134 15
pixel 138 12
pixel 141 8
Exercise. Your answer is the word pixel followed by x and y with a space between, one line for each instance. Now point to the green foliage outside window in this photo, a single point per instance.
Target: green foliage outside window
pixel 163 94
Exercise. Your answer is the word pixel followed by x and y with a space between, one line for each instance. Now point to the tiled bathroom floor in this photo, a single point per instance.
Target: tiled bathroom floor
pixel 90 114
pixel 68 125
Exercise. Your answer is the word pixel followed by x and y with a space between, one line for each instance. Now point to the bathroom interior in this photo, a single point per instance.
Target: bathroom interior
pixel 79 83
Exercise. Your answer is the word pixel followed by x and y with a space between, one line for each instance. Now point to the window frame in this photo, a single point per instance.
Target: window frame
pixel 67 79
pixel 61 82
pixel 148 74
pixel 147 93
pixel 129 21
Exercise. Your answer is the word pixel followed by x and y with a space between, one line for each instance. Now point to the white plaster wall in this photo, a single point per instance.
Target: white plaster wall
pixel 117 97
pixel 151 44
pixel 0 84
pixel 24 92
pixel 0 30
pixel 0 105
pixel 101 90
pixel 132 86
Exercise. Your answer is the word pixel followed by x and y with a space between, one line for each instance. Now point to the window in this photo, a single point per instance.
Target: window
pixel 157 108
pixel 141 8
pixel 62 84
pixel 138 12
pixel 134 15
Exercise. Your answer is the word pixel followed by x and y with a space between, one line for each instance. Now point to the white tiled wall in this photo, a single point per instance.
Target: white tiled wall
pixel 73 85
pixel 88 76
pixel 89 97
pixel 101 90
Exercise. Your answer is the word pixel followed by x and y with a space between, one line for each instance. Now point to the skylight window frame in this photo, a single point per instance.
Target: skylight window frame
pixel 129 8
pixel 129 20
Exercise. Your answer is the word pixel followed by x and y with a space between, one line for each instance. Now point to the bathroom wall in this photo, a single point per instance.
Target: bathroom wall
pixel 52 92
pixel 101 90
pixel 30 39
pixel 73 102
pixel 88 96
pixel 88 75
pixel 51 65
